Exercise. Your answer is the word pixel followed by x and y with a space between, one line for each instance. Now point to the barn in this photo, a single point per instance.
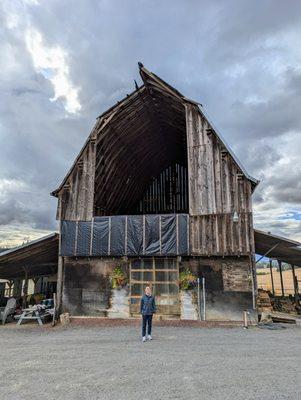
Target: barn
pixel 156 197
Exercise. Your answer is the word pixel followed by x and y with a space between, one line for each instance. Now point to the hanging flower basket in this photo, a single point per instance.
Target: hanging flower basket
pixel 119 279
pixel 187 280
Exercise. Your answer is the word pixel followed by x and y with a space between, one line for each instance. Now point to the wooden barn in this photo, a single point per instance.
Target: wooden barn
pixel 156 197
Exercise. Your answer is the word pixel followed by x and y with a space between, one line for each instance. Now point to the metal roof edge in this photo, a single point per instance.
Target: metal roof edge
pixel 293 242
pixel 33 242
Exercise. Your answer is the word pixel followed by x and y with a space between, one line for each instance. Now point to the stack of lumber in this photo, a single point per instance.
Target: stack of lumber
pixel 264 301
pixel 284 318
pixel 286 305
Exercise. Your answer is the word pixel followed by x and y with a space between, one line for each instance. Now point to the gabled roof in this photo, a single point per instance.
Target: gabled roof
pixel 151 79
pixel 151 82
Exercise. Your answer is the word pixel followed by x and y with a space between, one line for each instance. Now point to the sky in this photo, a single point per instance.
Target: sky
pixel 62 63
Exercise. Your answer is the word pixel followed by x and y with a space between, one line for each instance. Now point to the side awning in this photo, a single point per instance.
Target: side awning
pixel 36 258
pixel 272 246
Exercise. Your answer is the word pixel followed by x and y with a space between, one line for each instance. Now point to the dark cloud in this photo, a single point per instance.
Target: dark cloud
pixel 239 59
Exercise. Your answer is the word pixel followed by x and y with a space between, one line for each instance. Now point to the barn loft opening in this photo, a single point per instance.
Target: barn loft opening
pixel 141 157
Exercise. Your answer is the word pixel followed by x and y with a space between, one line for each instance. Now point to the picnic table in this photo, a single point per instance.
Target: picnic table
pixel 35 314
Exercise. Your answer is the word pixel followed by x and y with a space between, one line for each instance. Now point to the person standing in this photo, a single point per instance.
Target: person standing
pixel 147 309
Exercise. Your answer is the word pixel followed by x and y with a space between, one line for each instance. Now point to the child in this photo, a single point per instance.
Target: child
pixel 147 309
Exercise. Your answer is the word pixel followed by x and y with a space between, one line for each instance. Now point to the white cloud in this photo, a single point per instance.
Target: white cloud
pixel 16 234
pixel 51 63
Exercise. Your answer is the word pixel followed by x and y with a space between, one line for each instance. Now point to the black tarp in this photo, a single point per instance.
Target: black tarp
pixel 168 234
pixel 117 238
pixel 83 238
pixel 100 242
pixel 68 233
pixel 132 235
pixel 152 234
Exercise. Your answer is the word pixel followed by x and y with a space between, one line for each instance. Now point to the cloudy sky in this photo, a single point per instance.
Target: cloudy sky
pixel 63 62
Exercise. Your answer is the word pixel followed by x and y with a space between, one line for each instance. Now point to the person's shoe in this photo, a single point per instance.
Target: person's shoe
pixel 144 339
pixel 149 337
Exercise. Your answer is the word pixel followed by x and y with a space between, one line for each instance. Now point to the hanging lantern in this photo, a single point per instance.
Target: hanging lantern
pixel 235 217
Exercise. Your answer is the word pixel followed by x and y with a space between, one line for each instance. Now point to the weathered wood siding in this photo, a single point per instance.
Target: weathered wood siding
pixel 216 185
pixel 76 198
pixel 217 234
pixel 217 189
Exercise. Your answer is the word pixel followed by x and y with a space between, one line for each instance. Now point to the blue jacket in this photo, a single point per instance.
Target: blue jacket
pixel 147 305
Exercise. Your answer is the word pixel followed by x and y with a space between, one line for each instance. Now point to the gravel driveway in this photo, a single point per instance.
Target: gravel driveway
pixel 180 363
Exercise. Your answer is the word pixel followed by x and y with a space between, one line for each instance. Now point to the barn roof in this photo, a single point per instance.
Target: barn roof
pixel 146 102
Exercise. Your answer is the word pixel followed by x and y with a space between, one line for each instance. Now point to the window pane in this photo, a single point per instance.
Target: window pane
pixel 145 276
pixel 164 289
pixel 165 263
pixel 137 289
pixel 146 263
pixel 166 276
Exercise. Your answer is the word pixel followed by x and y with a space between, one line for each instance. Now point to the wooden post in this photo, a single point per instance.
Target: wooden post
pixel 281 278
pixel 17 289
pixel 272 278
pixel 296 286
pixel 25 289
pixel 60 268
pixel 10 287
pixel 59 285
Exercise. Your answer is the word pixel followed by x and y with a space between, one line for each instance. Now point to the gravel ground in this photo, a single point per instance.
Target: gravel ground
pixel 180 363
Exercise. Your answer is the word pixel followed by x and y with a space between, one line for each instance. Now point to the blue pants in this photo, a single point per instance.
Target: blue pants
pixel 147 320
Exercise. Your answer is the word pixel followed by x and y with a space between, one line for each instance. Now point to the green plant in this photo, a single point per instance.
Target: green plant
pixel 187 280
pixel 118 278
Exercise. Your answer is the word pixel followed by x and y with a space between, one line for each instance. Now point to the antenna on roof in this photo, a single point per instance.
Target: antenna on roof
pixel 136 85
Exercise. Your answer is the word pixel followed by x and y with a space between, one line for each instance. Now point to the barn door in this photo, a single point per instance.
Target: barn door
pixel 162 274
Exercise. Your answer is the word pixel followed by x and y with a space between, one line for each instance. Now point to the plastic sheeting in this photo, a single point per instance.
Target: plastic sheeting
pixel 130 235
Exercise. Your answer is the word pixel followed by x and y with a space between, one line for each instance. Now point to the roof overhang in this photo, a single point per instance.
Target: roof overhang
pixel 35 258
pixel 277 247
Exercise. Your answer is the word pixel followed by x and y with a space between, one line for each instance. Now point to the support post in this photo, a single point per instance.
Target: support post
pixel 272 278
pixel 204 299
pixel 296 286
pixel 10 288
pixel 281 277
pixel 59 285
pixel 199 299
pixel 25 289
pixel 60 272
pixel 254 281
pixel 17 289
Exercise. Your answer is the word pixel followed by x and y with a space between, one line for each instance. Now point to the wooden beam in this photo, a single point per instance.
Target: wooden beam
pixel 272 278
pixel 281 277
pixel 296 286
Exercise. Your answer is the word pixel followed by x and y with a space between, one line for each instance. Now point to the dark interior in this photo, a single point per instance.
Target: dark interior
pixel 141 162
